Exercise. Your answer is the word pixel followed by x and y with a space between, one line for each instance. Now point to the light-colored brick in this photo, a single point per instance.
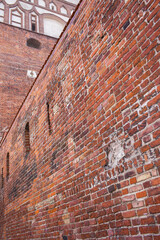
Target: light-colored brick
pixel 135 188
pixel 154 172
pixel 128 198
pixel 137 204
pixel 143 177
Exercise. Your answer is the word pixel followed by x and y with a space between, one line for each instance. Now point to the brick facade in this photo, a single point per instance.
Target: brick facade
pixel 91 122
pixel 59 10
pixel 18 64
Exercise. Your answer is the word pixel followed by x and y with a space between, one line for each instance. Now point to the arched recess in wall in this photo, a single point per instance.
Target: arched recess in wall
pixel 7 166
pixel 34 43
pixel 48 117
pixel 33 21
pixel 2 179
pixel 53 25
pixel 27 138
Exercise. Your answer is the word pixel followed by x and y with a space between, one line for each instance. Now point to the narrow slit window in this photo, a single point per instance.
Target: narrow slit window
pixel 48 118
pixel 7 166
pixel 2 179
pixel 33 27
pixel 27 138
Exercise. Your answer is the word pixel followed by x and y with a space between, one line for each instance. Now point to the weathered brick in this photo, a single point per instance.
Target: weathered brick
pixel 147 220
pixel 133 180
pixel 136 188
pixel 154 209
pixel 148 130
pixel 148 229
pixel 143 177
pixel 128 198
pixel 155 181
pixel 92 169
pixel 153 101
pixel 154 172
pixel 154 191
pixel 141 194
pixel 145 148
pixel 148 166
pixel 142 211
pixel 134 238
pixel 111 188
pixel 157 199
pixel 125 191
pixel 147 184
pixel 107 204
pixel 140 170
pixel 129 214
pixel 154 143
pixel 156 237
pixel 134 230
pixel 147 237
pixel 129 174
pixel 137 204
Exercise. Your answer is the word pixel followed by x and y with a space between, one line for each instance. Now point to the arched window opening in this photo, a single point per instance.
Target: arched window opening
pixel 1 12
pixel 64 10
pixel 53 7
pixel 7 166
pixel 31 42
pixel 16 18
pixel 48 118
pixel 2 179
pixel 33 23
pixel 27 138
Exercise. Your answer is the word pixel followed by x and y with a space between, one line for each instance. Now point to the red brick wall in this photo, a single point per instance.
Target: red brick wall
pixel 15 59
pixel 95 174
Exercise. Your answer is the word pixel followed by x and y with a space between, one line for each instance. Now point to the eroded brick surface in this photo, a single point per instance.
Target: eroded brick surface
pixel 95 174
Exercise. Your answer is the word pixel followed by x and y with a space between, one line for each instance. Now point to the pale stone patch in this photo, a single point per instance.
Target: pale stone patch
pixel 116 152
pixel 46 202
pixel 31 74
pixel 56 109
pixel 66 217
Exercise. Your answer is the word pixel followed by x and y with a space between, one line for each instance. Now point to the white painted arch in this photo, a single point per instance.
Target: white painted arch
pixel 53 26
